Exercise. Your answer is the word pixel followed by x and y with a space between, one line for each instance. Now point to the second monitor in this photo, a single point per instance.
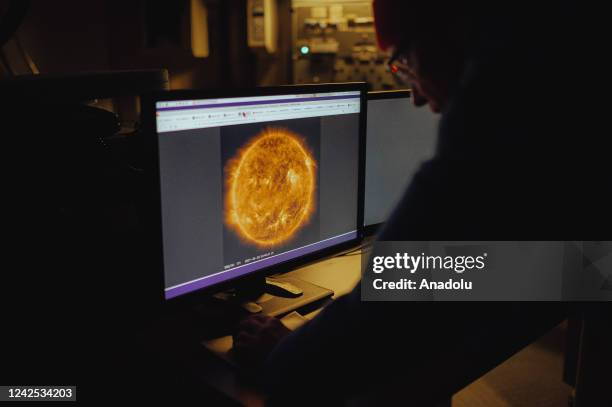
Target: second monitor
pixel 400 137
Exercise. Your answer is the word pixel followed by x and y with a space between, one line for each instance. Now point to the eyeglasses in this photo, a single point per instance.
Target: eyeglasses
pixel 399 66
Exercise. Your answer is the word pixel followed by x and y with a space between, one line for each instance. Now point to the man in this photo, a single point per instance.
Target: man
pixel 513 155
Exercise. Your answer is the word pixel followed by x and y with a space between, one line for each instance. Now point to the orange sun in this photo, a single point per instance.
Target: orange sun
pixel 270 188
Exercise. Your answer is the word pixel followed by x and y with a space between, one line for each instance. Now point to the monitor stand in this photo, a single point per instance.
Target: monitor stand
pixel 276 296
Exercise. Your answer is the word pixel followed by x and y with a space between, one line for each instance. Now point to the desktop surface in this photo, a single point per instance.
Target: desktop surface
pixel 340 274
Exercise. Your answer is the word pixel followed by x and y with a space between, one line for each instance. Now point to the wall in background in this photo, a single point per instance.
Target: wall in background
pixel 66 36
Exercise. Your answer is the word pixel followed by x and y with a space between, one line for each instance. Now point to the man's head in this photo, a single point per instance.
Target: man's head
pixel 427 40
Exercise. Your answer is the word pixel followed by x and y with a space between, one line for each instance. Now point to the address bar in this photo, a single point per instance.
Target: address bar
pixel 226 117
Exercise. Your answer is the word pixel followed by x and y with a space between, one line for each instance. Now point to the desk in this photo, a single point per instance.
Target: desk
pixel 339 274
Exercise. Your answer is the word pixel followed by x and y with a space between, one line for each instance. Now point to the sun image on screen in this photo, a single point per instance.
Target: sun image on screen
pixel 270 187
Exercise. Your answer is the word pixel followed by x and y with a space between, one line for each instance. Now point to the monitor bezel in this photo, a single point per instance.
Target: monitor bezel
pixel 148 112
pixel 374 228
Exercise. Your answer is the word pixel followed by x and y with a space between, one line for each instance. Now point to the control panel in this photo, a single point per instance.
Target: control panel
pixel 336 42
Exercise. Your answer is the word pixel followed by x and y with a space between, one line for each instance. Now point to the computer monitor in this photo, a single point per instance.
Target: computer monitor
pixel 400 137
pixel 255 182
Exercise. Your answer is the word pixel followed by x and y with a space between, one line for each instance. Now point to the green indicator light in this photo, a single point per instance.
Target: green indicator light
pixel 305 50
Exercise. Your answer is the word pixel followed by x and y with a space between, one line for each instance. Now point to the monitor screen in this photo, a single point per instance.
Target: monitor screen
pixel 400 137
pixel 250 182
